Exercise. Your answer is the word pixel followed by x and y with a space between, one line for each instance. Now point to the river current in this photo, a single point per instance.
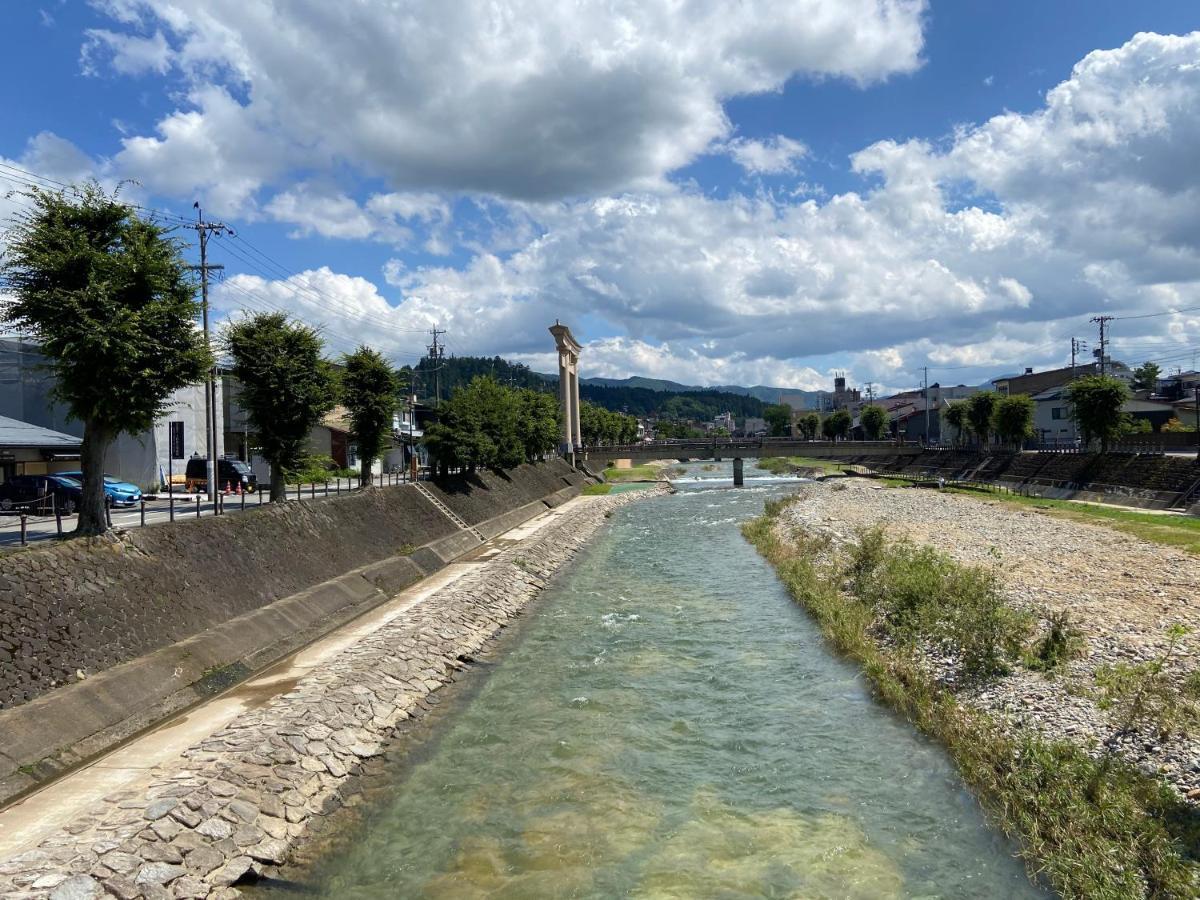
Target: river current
pixel 668 723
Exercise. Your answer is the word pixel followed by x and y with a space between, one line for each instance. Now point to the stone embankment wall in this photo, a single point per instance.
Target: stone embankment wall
pixel 1124 478
pixel 239 801
pixel 101 638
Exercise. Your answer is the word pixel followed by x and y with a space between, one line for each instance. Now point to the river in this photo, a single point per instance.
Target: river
pixel 667 723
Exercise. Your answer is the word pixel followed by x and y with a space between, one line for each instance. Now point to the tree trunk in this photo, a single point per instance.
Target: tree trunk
pixel 364 472
pixel 92 513
pixel 278 484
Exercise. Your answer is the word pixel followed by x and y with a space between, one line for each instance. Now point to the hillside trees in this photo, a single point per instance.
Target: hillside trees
pixel 369 391
pixel 109 299
pixel 1096 402
pixel 874 420
pixel 286 386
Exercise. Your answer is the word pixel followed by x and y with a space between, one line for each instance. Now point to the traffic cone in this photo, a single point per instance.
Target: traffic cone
pixel 227 488
pixel 238 491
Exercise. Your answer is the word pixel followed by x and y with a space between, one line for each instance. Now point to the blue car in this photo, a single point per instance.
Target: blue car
pixel 119 493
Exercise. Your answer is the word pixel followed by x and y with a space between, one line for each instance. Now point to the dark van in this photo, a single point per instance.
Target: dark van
pixel 230 473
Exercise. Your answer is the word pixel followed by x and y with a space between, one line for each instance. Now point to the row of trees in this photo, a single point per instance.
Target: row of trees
pixel 112 303
pixel 988 414
pixel 489 425
pixel 598 425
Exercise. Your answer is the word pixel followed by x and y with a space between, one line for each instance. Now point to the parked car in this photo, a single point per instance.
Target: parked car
pixel 119 493
pixel 230 473
pixel 32 494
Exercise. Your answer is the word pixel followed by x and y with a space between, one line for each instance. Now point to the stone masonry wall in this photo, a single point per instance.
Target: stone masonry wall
pixel 80 607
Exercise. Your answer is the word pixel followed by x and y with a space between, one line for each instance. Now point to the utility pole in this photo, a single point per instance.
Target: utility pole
pixel 205 230
pixel 1197 402
pixel 927 437
pixel 1103 322
pixel 870 391
pixel 436 355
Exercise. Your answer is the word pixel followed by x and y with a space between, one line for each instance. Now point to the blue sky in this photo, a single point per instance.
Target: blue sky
pixel 723 192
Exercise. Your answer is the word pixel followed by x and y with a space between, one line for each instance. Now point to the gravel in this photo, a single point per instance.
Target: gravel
pixel 1122 593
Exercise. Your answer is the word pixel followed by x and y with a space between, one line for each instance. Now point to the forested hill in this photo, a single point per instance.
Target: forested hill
pixel 638 401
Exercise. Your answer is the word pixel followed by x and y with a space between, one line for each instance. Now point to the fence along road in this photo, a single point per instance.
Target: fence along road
pixel 159 510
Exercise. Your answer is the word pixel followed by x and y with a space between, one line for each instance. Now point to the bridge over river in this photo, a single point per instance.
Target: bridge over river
pixel 738 449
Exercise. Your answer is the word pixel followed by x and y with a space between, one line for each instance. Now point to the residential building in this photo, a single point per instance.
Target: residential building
pixel 28 449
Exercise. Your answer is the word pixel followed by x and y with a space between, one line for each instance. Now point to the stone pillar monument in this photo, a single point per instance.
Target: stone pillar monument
pixel 568 388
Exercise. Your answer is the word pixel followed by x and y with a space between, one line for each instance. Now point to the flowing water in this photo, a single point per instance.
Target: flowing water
pixel 669 724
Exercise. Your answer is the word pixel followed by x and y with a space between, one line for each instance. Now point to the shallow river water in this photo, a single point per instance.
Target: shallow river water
pixel 667 723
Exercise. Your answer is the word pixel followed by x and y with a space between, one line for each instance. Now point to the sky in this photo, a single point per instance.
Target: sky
pixel 711 191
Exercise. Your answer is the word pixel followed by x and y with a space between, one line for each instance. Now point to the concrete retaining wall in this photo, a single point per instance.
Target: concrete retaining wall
pixel 166 615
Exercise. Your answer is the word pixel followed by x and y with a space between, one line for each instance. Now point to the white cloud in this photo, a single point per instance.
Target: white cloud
pixel 530 99
pixel 777 155
pixel 128 54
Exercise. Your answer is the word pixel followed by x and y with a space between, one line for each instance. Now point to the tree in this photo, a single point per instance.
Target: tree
pixel 874 420
pixel 479 428
pixel 109 299
pixel 779 419
pixel 369 391
pixel 1096 402
pixel 836 425
pixel 809 424
pixel 538 423
pixel 956 416
pixel 1145 377
pixel 286 387
pixel 980 408
pixel 1012 419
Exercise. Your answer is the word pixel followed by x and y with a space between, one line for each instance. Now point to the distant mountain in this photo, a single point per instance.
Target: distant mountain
pixel 765 393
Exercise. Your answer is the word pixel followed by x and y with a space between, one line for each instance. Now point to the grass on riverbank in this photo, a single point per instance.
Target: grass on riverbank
pixel 1170 530
pixel 637 473
pixel 1091 829
pixel 596 490
pixel 782 465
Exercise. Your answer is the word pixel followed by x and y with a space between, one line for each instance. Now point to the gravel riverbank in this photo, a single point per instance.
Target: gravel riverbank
pixel 1122 593
pixel 242 799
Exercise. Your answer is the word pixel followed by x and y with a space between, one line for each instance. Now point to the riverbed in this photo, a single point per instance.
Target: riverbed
pixel 668 723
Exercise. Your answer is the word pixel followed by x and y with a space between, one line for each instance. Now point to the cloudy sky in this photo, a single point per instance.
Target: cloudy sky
pixel 713 191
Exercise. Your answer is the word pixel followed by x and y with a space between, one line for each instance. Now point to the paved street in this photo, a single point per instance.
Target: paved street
pixel 159 510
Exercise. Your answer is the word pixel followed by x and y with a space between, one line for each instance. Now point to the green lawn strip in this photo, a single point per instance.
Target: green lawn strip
pixel 1171 530
pixel 637 473
pixel 1090 830
pixel 595 490
pixel 782 465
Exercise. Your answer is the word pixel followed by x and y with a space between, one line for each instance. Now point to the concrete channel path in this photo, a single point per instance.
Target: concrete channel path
pixel 54 807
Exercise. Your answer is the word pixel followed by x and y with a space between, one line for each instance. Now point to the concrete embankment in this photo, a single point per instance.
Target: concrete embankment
pixel 100 639
pixel 238 800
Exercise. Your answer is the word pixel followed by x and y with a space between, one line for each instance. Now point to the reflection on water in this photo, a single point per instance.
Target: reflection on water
pixel 670 725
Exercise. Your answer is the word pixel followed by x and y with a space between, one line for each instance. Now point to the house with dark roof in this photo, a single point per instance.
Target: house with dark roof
pixel 28 449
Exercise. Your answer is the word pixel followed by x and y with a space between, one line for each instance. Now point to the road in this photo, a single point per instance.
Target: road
pixel 39 528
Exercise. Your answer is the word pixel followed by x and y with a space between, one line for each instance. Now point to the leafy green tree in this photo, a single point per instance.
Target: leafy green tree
pixel 1012 419
pixel 537 423
pixel 1096 402
pixel 836 425
pixel 369 391
pixel 809 424
pixel 874 420
pixel 109 299
pixel 980 408
pixel 956 416
pixel 779 419
pixel 479 428
pixel 1145 377
pixel 286 387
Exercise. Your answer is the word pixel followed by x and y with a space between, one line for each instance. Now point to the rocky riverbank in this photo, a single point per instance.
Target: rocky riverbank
pixel 242 799
pixel 1120 593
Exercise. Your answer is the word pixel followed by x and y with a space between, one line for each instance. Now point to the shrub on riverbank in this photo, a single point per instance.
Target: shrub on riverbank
pixel 1092 828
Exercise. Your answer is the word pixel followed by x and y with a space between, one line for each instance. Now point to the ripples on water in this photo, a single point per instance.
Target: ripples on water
pixel 670 725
